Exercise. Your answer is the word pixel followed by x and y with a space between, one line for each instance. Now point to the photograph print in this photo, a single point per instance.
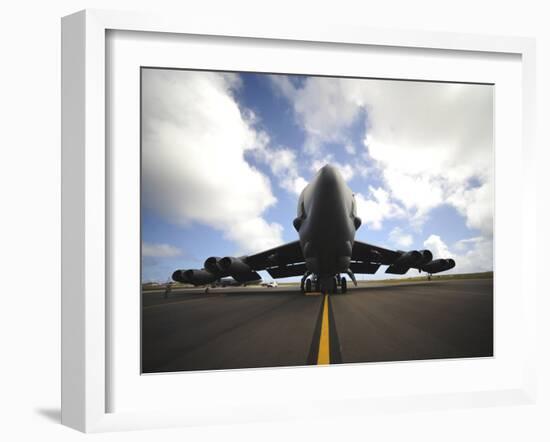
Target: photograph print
pixel 293 220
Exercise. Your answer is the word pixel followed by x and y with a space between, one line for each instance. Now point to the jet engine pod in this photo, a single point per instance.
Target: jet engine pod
pixel 438 265
pixel 179 276
pixel 233 265
pixel 426 257
pixel 408 259
pixel 199 277
pixel 211 264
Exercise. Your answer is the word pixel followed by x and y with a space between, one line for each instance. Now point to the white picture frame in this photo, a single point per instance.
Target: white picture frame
pixel 85 208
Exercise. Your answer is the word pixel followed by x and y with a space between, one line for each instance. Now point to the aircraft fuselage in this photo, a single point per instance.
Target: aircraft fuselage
pixel 326 223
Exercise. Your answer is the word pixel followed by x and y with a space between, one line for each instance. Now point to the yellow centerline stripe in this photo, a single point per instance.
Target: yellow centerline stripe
pixel 323 357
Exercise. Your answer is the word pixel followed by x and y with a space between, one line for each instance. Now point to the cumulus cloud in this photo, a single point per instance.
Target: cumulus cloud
pixel 350 148
pixel 476 258
pixel 466 243
pixel 470 254
pixel 346 170
pixel 194 137
pixel 284 165
pixel 477 206
pixel 439 249
pixel 400 238
pixel 429 141
pixel 262 238
pixel 377 207
pixel 322 107
pixel 159 250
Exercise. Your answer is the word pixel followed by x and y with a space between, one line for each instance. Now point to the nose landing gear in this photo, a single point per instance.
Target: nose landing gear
pixel 344 285
pixel 330 284
pixel 325 284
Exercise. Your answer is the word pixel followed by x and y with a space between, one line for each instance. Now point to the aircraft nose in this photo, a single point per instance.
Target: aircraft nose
pixel 327 169
pixel 329 176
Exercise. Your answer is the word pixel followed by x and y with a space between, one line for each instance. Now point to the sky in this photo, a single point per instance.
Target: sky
pixel 225 156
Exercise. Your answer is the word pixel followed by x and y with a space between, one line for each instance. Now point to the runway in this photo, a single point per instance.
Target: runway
pixel 270 327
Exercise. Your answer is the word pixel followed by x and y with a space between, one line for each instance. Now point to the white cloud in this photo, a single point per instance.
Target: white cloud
pixel 439 249
pixel 477 205
pixel 472 254
pixel 194 140
pixel 264 232
pixel 428 140
pixel 159 250
pixel 429 146
pixel 322 107
pixel 400 238
pixel 378 207
pixel 478 258
pixel 350 148
pixel 284 166
pixel 418 192
pixel 346 170
pixel 464 244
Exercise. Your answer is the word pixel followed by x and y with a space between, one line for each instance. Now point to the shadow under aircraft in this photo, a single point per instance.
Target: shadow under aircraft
pixel 326 249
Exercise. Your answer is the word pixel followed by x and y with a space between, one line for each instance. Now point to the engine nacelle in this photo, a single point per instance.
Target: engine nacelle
pixel 439 265
pixel 199 277
pixel 211 264
pixel 233 265
pixel 426 257
pixel 179 276
pixel 408 259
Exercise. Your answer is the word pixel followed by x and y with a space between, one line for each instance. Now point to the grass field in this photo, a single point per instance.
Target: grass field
pixel 483 275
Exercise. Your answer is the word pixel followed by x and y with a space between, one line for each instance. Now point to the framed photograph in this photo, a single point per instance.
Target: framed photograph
pixel 250 212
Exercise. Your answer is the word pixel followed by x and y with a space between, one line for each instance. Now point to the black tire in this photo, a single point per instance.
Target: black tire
pixel 334 286
pixel 344 285
pixel 308 285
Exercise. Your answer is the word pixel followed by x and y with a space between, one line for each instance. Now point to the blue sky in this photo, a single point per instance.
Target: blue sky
pixel 225 156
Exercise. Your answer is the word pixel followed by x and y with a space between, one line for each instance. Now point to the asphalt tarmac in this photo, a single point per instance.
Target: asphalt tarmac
pixel 272 327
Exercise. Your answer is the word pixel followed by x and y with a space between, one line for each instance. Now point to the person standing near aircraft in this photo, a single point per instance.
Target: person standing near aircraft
pixel 168 289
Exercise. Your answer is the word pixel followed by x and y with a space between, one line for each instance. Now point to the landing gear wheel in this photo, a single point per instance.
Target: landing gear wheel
pixel 344 285
pixel 308 285
pixel 334 286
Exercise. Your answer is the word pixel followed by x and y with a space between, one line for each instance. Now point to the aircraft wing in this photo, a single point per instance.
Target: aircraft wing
pixel 288 260
pixel 280 262
pixel 367 258
pixel 363 251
